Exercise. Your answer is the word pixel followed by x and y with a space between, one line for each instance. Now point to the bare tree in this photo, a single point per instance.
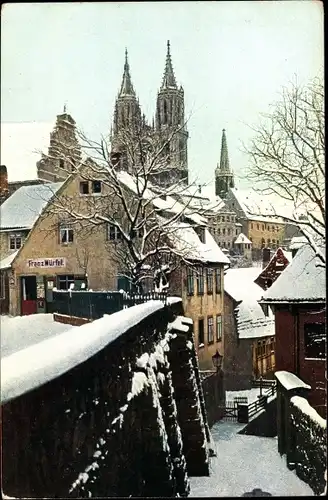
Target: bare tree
pixel 287 158
pixel 126 196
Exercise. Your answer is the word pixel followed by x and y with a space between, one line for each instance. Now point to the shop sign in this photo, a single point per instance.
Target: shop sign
pixel 54 262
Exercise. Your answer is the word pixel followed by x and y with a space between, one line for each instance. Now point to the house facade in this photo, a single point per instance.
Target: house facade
pixel 298 300
pixel 261 229
pixel 249 337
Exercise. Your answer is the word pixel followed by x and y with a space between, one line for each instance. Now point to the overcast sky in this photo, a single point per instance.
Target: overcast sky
pixel 232 58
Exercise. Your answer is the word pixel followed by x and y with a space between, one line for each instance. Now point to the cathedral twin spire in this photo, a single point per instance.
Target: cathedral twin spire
pixel 169 114
pixel 126 87
pixel 169 81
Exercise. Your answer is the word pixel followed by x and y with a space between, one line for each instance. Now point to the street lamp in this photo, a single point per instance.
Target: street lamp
pixel 217 359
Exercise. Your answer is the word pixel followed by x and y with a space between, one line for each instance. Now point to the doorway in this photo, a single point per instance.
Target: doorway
pixel 28 295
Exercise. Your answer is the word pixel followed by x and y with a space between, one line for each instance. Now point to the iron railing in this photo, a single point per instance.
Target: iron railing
pixel 93 305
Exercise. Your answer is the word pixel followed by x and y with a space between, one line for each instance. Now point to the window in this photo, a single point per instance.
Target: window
pixel 236 232
pixel 315 340
pixel 257 226
pixel 269 241
pixel 251 225
pixel 268 228
pixel 96 187
pixel 228 219
pixel 229 231
pixel 209 280
pixel 136 233
pixel 15 241
pixel 200 281
pixel 190 281
pixel 65 233
pixel 210 328
pixel 219 230
pixel 61 163
pixel 262 227
pixel 228 244
pixel 2 285
pixel 218 283
pixel 278 242
pixel 84 187
pixel 223 244
pixel 113 233
pixel 219 327
pixel 200 332
pixel 222 218
pixel 223 231
pixel 64 281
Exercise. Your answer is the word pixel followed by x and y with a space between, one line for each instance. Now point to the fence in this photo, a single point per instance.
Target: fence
pixel 93 305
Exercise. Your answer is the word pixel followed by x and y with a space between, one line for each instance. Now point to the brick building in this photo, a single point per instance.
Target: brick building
pixel 298 299
pixel 249 336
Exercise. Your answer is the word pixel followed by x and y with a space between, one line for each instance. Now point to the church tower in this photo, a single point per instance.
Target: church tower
pixel 64 152
pixel 223 174
pixel 170 116
pixel 127 115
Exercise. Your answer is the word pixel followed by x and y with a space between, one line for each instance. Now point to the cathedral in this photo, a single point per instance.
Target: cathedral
pixel 169 119
pixel 64 151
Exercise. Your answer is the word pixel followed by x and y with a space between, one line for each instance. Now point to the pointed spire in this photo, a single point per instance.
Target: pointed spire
pixel 126 87
pixel 224 160
pixel 168 78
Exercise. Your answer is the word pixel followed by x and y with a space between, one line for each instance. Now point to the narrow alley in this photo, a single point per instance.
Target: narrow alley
pixel 244 463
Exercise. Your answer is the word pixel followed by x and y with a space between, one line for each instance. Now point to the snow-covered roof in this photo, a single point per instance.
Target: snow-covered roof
pixel 187 241
pixel 165 203
pixel 6 262
pixel 263 208
pixel 251 320
pixel 57 355
pixel 297 242
pixel 242 238
pixel 288 256
pixel 21 144
pixel 23 207
pixel 302 281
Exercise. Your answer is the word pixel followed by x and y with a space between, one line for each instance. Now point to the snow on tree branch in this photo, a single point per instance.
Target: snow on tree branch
pixel 287 159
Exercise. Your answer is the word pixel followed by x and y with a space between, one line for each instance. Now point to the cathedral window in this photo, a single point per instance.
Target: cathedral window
pixel 165 118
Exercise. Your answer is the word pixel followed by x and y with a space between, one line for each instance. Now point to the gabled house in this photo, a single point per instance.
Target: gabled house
pixel 18 215
pixel 273 269
pixel 298 300
pixel 249 336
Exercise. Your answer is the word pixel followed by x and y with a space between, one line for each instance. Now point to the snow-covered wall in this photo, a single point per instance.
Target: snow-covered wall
pixel 108 422
pixel 310 443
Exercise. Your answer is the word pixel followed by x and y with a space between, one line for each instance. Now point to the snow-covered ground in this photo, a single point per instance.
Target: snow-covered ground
pixel 18 332
pixel 244 463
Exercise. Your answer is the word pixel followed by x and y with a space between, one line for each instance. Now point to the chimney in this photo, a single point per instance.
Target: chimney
pixel 3 180
pixel 199 188
pixel 266 256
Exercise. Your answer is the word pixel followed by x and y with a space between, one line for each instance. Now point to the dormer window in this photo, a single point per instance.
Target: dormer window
pixel 201 233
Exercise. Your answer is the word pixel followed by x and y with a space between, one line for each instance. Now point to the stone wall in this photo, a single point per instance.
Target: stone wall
pixel 128 421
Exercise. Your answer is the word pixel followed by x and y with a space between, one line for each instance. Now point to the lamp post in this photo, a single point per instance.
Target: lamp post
pixel 217 359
